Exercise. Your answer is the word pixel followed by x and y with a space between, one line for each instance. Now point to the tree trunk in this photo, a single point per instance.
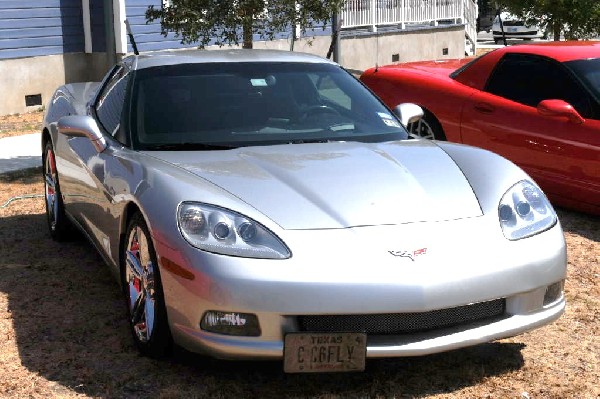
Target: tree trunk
pixel 556 28
pixel 247 29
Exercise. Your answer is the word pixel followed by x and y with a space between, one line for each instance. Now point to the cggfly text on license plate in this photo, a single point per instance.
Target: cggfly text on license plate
pixel 324 352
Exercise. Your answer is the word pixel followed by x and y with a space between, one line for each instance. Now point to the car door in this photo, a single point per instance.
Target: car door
pixel 561 155
pixel 87 197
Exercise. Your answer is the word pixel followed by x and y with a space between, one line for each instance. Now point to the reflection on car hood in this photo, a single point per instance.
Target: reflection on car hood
pixel 337 185
pixel 439 67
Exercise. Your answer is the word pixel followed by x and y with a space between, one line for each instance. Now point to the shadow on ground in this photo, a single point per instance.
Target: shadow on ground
pixel 23 176
pixel 582 224
pixel 70 328
pixel 18 163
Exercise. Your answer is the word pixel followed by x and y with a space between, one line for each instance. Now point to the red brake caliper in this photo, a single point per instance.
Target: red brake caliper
pixel 135 248
pixel 52 170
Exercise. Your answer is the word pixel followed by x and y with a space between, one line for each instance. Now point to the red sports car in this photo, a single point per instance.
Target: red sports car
pixel 536 104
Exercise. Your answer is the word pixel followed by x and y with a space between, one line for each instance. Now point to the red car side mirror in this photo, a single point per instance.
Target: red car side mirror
pixel 559 108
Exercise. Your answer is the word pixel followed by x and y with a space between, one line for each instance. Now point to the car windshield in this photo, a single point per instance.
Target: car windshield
pixel 461 69
pixel 588 71
pixel 227 105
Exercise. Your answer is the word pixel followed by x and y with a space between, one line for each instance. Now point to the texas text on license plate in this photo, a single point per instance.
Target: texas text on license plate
pixel 324 352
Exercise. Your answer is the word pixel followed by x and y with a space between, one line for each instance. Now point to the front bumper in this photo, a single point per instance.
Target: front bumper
pixel 227 347
pixel 532 34
pixel 349 272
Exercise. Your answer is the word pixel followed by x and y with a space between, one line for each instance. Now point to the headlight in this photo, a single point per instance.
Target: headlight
pixel 222 231
pixel 525 211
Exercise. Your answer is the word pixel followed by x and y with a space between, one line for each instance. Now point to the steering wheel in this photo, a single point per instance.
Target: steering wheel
pixel 317 109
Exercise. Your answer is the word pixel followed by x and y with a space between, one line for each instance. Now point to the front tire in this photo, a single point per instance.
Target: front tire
pixel 58 224
pixel 142 288
pixel 427 127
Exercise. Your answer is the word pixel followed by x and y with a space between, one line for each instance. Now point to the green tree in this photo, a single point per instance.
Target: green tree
pixel 575 19
pixel 235 21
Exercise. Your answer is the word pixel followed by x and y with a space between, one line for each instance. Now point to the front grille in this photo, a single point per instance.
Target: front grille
pixel 528 33
pixel 404 323
pixel 513 23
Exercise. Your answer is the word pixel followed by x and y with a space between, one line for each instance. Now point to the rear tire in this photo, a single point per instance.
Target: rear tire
pixel 427 127
pixel 142 288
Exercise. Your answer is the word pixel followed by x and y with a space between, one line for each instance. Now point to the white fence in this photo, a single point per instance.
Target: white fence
pixel 374 13
pixel 471 13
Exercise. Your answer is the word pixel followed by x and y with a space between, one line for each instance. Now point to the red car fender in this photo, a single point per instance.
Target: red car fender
pixel 437 94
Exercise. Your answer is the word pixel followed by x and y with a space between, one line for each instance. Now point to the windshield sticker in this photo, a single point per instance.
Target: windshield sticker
pixel 258 82
pixel 390 122
pixel 384 115
pixel 345 126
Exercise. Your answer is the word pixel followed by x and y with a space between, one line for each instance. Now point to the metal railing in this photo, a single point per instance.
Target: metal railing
pixel 377 13
pixel 374 13
pixel 471 12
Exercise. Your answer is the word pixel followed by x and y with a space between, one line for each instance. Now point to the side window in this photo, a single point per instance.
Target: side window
pixel 109 106
pixel 529 79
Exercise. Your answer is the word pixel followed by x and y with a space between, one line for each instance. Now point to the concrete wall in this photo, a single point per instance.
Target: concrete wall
pixel 359 51
pixel 317 45
pixel 42 75
pixel 364 50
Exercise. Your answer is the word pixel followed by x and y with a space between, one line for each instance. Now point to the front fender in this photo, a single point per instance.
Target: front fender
pixel 156 188
pixel 489 174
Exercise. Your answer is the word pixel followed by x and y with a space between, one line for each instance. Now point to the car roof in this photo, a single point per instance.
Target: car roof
pixel 476 73
pixel 560 51
pixel 162 58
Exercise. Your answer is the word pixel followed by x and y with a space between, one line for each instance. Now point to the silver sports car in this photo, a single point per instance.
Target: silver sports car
pixel 265 205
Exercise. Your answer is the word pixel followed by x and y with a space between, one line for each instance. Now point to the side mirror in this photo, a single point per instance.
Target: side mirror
pixel 408 113
pixel 559 108
pixel 82 126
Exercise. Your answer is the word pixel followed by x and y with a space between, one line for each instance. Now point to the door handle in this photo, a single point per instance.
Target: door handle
pixel 484 108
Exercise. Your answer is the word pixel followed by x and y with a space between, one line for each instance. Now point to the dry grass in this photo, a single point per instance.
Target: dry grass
pixel 18 124
pixel 63 334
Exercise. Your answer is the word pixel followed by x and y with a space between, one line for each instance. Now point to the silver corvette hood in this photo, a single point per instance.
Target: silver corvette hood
pixel 337 185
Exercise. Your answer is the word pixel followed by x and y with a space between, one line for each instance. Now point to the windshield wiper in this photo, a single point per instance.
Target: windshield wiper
pixel 308 141
pixel 189 147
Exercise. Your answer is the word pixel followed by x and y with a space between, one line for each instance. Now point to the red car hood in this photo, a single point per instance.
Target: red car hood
pixel 442 67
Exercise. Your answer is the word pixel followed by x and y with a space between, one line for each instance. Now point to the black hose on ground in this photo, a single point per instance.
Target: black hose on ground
pixel 20 197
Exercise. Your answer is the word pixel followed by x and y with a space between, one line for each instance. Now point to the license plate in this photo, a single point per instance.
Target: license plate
pixel 324 352
pixel 512 30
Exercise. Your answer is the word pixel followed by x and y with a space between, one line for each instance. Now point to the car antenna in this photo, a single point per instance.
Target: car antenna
pixel 131 38
pixel 376 49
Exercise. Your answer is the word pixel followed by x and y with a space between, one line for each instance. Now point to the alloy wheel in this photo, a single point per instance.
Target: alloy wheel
pixel 50 184
pixel 140 281
pixel 422 129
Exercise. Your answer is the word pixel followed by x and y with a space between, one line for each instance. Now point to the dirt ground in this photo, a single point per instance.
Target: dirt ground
pixel 63 334
pixel 18 124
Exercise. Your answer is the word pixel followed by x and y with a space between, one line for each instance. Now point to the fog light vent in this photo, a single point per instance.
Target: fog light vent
pixel 241 324
pixel 554 292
